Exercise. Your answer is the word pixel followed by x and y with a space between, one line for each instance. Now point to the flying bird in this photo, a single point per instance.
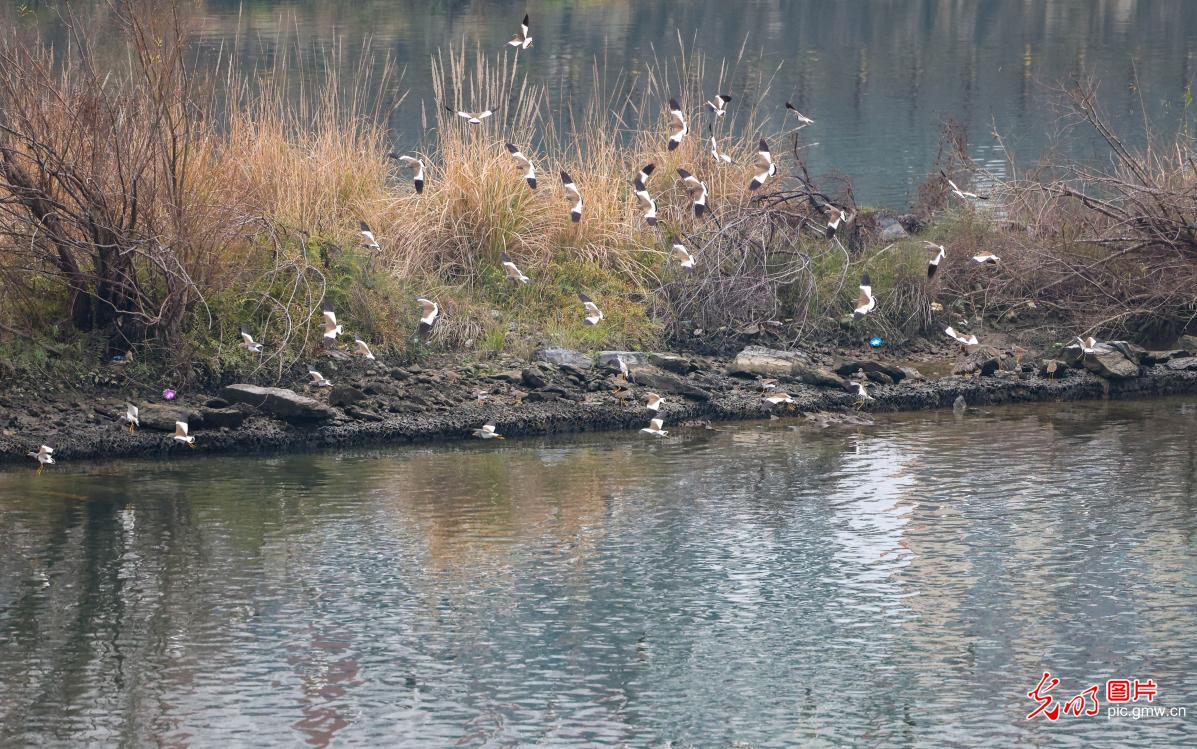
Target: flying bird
pixel 718 104
pixel 513 271
pixel 679 253
pixel 987 257
pixel 933 263
pixel 530 175
pixel 521 40
pixel 720 158
pixel 865 302
pixel 655 428
pixel 802 119
pixel 1087 344
pixel 44 457
pixel 646 200
pixel 181 434
pixel 654 402
pixel 962 194
pixel 963 340
pixel 765 168
pixel 249 344
pixel 431 312
pixel 474 118
pixel 696 189
pixel 593 314
pixel 487 432
pixel 677 124
pixel 131 417
pixel 575 213
pixel 363 348
pixel 646 171
pixel 331 329
pixel 416 165
pixel 368 235
pixel 319 380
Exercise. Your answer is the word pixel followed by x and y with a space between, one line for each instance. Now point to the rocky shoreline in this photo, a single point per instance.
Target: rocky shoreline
pixel 559 391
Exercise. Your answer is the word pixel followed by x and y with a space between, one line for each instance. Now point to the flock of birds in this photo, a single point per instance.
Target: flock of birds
pixel 763 169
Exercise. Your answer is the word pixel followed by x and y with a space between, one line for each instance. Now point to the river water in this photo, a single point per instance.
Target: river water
pixel 901 584
pixel 878 76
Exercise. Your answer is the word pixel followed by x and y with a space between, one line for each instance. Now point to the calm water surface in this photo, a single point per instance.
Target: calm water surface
pixel 903 584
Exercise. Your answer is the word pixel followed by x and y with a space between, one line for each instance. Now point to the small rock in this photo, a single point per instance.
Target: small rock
pixel 512 376
pixel 960 405
pixel 532 378
pixel 892 233
pixel 1187 342
pixel 221 418
pixel 344 395
pixel 672 363
pixel 851 366
pixel 1163 357
pixel 984 360
pixel 564 357
pixel 217 403
pixel 1184 364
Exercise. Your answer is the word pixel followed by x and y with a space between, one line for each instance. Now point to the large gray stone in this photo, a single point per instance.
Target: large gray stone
pixel 759 360
pixel 344 395
pixel 672 363
pixel 667 382
pixel 280 403
pixel 852 366
pixel 1110 361
pixel 564 357
pixel 1184 364
pixel 161 417
pixel 1163 357
pixel 893 233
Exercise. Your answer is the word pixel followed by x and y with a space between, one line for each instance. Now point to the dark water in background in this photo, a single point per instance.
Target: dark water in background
pixel 897 585
pixel 879 76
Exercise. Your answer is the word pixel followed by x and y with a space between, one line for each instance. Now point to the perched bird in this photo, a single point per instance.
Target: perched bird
pixel 575 213
pixel 530 175
pixel 962 194
pixel 803 120
pixel 318 379
pixel 431 311
pixel 363 348
pixel 44 457
pixel 623 368
pixel 368 236
pixel 1087 344
pixel 838 216
pixel 487 432
pixel 646 171
pixel 181 434
pixel 654 402
pixel 987 257
pixel 248 343
pixel 765 168
pixel 933 263
pixel 416 165
pixel 131 417
pixel 862 394
pixel 963 340
pixel 720 158
pixel 331 329
pixel 655 428
pixel 865 302
pixel 521 40
pixel 682 255
pixel 474 118
pixel 646 200
pixel 779 398
pixel 513 272
pixel 696 189
pixel 718 104
pixel 677 124
pixel 593 314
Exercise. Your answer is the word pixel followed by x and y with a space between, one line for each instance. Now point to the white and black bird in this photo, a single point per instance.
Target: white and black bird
pixel 487 432
pixel 331 328
pixel 646 171
pixel 575 213
pixel 368 236
pixel 865 301
pixel 181 434
pixel 720 158
pixel 319 380
pixel 778 399
pixel 131 417
pixel 933 263
pixel 594 315
pixel 837 217
pixel 677 125
pixel 962 194
pixel 963 340
pixel 718 105
pixel 44 457
pixel 987 258
pixel 862 393
pixel 512 270
pixel 684 257
pixel 765 168
pixel 474 118
pixel 249 344
pixel 696 189
pixel 521 40
pixel 431 311
pixel 1087 344
pixel 655 428
pixel 654 402
pixel 416 165
pixel 530 174
pixel 363 348
pixel 803 120
pixel 647 202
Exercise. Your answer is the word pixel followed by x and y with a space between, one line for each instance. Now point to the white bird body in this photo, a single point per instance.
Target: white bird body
pixel 862 394
pixel 646 200
pixel 371 242
pixel 987 257
pixel 718 105
pixel 248 343
pixel 654 402
pixel 865 301
pixel 594 315
pixel 131 417
pixel 776 399
pixel 181 434
pixel 655 428
pixel 803 120
pixel 44 457
pixel 331 328
pixel 963 194
pixel 682 255
pixel 575 213
pixel 1087 344
pixel 696 189
pixel 518 155
pixel 363 348
pixel 512 270
pixel 765 168
pixel 318 379
pixel 838 216
pixel 933 263
pixel 487 432
pixel 474 118
pixel 415 164
pixel 521 40
pixel 677 125
pixel 964 340
pixel 431 311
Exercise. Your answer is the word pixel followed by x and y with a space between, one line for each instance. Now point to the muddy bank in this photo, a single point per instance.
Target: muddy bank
pixel 562 392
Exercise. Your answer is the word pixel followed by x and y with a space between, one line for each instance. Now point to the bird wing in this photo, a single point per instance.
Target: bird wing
pixel 764 159
pixel 330 319
pixel 249 340
pixel 642 194
pixel 865 296
pixel 569 185
pixel 489 427
pixel 681 253
pixel 591 308
pixel 646 171
pixel 429 307
pixel 656 424
pixel 180 429
pixel 519 156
